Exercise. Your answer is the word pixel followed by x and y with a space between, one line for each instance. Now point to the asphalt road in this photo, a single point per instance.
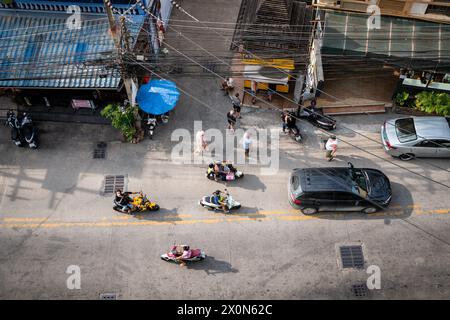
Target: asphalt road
pixel 53 214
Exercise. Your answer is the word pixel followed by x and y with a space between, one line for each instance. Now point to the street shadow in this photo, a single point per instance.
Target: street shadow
pixel 251 182
pixel 401 207
pixel 249 212
pixel 162 215
pixel 212 266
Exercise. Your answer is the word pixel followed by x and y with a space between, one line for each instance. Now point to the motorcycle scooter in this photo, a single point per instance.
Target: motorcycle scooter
pixel 139 203
pixel 151 125
pixel 207 202
pixel 177 250
pixel 16 134
pixel 30 132
pixel 230 175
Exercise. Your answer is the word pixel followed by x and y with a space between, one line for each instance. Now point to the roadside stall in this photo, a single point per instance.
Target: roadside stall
pixel 270 76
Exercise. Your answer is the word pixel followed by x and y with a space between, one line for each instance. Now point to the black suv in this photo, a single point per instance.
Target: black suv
pixel 339 189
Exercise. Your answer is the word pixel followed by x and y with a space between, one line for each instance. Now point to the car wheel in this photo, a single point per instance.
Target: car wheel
pixel 309 211
pixel 369 210
pixel 406 156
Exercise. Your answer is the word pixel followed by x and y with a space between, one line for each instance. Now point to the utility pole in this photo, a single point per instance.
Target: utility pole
pixel 121 41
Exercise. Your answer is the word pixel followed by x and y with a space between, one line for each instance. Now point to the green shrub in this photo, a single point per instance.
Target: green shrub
pixel 122 119
pixel 433 102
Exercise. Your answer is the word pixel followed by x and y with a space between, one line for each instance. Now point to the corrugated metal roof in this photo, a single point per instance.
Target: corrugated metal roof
pixel 38 50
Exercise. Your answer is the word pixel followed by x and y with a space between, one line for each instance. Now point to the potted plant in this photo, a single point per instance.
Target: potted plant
pixel 122 118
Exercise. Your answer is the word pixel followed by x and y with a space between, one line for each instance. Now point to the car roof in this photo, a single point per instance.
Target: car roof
pixel 430 127
pixel 324 179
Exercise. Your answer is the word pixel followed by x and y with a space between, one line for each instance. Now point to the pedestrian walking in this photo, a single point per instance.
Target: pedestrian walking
pixel 202 145
pixel 331 147
pixel 236 101
pixel 231 117
pixel 246 142
pixel 227 85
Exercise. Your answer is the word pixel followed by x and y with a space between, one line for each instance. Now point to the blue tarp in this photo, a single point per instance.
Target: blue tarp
pixel 158 96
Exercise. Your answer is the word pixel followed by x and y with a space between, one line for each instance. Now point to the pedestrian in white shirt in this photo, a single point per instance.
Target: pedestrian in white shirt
pixel 331 148
pixel 228 85
pixel 201 142
pixel 246 141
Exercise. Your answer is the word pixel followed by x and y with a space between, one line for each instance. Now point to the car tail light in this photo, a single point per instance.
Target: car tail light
pixel 386 141
pixel 296 201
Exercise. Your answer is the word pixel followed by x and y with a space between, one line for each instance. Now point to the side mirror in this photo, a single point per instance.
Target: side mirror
pixel 350 165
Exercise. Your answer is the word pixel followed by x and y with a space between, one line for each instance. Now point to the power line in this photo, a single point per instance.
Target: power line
pixel 322 130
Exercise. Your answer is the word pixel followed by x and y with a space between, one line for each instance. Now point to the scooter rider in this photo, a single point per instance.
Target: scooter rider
pixel 219 199
pixel 123 200
pixel 291 123
pixel 210 172
pixel 187 253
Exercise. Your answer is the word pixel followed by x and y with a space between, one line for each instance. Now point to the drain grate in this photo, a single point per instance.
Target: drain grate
pixel 352 257
pixel 112 183
pixel 109 296
pixel 99 153
pixel 359 290
pixel 100 150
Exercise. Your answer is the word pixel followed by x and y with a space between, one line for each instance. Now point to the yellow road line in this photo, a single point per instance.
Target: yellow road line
pixel 297 218
pixel 121 221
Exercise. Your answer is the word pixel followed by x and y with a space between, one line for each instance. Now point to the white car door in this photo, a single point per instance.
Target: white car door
pixel 425 149
pixel 443 149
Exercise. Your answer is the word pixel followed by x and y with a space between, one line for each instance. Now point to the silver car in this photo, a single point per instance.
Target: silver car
pixel 410 137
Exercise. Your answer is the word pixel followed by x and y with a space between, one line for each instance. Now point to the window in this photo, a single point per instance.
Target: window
pixel 321 195
pixel 295 182
pixel 426 144
pixel 345 196
pixel 441 143
pixel 405 129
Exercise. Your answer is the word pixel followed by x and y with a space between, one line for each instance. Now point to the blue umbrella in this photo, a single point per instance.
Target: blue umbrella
pixel 158 96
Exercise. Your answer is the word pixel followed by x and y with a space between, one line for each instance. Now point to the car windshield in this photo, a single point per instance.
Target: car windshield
pixel 406 131
pixel 361 186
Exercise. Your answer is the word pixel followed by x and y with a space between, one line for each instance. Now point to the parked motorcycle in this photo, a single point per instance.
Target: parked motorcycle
pixel 290 125
pixel 294 134
pixel 140 203
pixel 151 125
pixel 227 172
pixel 30 132
pixel 152 121
pixel 207 202
pixel 317 119
pixel 14 124
pixel 177 250
pixel 165 117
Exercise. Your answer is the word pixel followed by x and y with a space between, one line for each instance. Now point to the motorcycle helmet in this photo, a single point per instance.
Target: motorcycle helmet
pixel 185 248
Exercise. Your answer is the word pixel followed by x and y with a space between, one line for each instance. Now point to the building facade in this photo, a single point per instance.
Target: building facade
pixel 45 52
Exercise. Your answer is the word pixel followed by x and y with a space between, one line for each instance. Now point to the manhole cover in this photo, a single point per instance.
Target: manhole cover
pixel 359 290
pixel 100 150
pixel 352 257
pixel 112 183
pixel 109 296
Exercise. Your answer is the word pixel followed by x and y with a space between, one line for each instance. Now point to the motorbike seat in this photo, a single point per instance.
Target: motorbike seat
pixel 195 252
